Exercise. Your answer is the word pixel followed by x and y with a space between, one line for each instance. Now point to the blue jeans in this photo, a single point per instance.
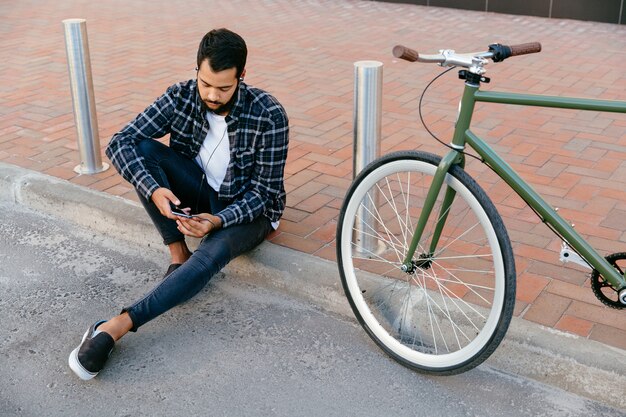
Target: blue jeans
pixel 185 178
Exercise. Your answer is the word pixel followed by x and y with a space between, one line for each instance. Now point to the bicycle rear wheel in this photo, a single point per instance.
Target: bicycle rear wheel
pixel 451 313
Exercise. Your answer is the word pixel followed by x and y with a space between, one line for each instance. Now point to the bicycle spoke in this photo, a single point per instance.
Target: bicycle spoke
pixel 454 299
pixel 463 256
pixel 458 281
pixel 456 239
pixel 379 237
pixel 381 222
pixel 463 282
pixel 392 203
pixel 446 311
pixel 377 234
pixel 373 254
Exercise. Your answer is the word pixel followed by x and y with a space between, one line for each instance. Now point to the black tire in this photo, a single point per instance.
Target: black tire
pixel 453 311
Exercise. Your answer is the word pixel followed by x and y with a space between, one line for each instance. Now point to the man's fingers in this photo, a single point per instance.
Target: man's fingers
pixel 191 224
pixel 167 193
pixel 162 198
pixel 170 198
pixel 182 227
pixel 192 227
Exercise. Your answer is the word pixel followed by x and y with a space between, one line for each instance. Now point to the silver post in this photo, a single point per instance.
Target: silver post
pixel 368 88
pixel 83 101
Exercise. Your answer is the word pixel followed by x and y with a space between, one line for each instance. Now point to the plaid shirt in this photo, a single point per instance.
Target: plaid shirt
pixel 258 130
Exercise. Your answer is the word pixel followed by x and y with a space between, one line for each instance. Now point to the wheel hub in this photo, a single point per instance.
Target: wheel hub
pixel 424 261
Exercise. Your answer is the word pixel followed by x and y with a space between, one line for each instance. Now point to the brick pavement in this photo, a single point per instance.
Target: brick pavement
pixel 303 52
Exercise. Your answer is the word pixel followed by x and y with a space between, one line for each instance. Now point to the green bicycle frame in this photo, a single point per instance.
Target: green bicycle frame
pixel 463 135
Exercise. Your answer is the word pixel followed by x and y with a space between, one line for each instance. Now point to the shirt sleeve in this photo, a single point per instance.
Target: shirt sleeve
pixel 266 182
pixel 154 122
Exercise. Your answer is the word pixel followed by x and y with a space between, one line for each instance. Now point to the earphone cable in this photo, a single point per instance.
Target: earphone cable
pixel 206 165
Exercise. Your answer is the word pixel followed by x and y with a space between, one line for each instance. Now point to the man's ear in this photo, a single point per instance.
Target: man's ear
pixel 243 74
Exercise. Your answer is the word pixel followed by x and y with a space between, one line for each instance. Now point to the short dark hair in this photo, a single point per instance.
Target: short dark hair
pixel 224 50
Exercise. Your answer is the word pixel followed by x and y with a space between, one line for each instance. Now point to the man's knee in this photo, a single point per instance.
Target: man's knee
pixel 149 147
pixel 209 259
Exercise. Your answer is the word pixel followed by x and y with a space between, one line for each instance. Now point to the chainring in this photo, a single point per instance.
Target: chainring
pixel 602 289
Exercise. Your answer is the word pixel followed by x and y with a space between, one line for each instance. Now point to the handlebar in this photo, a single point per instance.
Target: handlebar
pixel 502 52
pixel 408 54
pixel 496 52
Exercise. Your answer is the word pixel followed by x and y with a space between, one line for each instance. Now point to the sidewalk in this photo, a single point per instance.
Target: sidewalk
pixel 303 53
pixel 559 360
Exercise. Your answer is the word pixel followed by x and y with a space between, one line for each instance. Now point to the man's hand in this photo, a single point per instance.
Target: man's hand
pixel 199 225
pixel 162 198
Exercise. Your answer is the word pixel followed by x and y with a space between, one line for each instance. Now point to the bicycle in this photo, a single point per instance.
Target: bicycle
pixel 424 257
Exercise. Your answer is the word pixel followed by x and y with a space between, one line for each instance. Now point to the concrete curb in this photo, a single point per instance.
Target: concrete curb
pixel 569 362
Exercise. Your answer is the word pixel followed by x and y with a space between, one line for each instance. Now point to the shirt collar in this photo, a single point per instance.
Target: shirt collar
pixel 238 106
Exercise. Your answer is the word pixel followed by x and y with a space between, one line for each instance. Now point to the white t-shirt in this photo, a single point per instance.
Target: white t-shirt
pixel 214 154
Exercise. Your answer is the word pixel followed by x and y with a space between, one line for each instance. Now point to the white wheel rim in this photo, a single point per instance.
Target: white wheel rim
pixel 485 334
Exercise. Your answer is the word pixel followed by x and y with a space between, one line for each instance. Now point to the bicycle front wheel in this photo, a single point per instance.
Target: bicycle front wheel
pixel 451 312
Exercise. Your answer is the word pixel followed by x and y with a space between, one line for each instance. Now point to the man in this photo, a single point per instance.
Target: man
pixel 220 179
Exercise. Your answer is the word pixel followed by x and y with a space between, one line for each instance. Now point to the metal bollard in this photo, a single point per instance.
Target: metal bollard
pixel 368 87
pixel 83 101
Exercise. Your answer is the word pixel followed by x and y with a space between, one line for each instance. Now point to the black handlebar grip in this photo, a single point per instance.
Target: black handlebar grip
pixel 525 48
pixel 502 52
pixel 405 53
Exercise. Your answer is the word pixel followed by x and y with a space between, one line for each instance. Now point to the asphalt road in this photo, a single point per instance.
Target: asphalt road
pixel 233 350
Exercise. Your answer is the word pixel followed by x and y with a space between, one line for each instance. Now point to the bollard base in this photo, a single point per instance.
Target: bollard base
pixel 372 248
pixel 79 169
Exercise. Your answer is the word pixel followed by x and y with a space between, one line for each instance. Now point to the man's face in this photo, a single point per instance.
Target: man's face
pixel 217 89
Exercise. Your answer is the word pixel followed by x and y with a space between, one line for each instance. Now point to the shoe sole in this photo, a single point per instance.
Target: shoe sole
pixel 75 365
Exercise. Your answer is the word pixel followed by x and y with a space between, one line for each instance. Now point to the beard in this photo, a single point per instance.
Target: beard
pixel 223 108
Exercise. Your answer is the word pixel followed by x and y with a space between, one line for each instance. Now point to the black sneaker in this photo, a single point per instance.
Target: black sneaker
pixel 171 268
pixel 90 356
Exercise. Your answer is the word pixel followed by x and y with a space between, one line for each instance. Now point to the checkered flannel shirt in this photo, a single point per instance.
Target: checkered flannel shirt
pixel 258 129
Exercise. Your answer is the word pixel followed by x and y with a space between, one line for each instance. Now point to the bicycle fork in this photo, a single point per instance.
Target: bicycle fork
pixel 454 157
pixel 409 265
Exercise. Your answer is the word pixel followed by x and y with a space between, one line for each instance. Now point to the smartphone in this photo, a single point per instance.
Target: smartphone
pixel 187 216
